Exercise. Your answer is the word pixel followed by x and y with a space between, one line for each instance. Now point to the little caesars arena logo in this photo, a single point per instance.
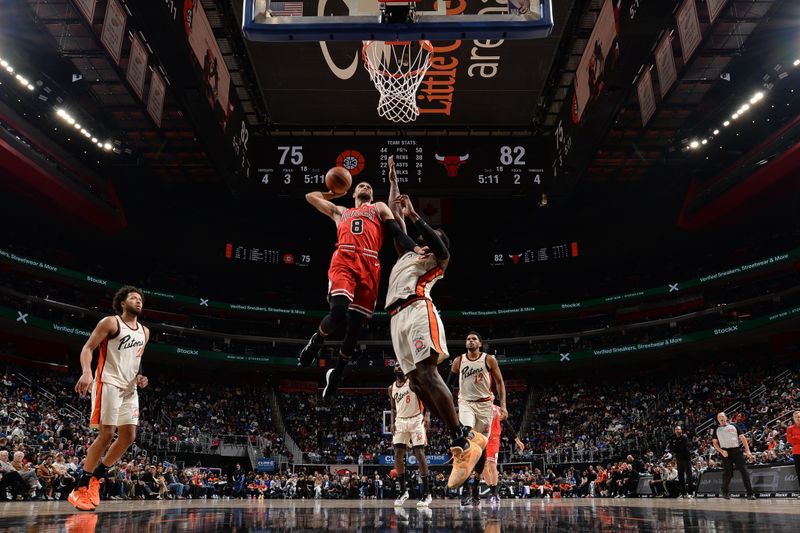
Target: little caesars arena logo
pixel 436 92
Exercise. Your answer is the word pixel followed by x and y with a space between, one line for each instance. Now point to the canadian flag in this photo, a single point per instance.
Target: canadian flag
pixel 434 211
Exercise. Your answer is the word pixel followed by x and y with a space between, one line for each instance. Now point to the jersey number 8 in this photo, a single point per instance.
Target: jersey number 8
pixel 357 226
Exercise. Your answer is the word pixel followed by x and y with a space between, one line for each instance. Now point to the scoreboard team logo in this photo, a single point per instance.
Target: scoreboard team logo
pixel 352 160
pixel 452 163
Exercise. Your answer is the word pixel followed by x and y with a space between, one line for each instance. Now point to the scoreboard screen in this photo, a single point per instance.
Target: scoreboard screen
pixel 465 166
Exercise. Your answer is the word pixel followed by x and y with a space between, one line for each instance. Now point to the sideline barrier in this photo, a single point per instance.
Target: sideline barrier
pixel 780 480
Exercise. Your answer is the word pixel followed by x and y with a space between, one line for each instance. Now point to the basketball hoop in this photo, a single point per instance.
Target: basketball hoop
pixel 397 68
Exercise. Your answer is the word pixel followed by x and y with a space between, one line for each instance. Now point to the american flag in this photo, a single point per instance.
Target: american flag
pixel 286 9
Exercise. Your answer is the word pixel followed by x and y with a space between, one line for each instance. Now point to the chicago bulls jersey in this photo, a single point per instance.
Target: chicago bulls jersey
pixel 474 379
pixel 120 356
pixel 361 228
pixel 413 275
pixel 406 402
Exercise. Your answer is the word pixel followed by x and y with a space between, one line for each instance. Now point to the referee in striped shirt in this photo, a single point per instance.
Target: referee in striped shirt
pixel 726 442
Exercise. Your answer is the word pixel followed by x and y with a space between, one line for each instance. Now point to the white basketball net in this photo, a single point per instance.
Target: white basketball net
pixel 397 70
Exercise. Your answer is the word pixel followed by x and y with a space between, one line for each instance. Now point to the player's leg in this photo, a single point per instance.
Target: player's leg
pixel 342 277
pixel 400 468
pixel 427 384
pixel 106 402
pixel 422 345
pixel 425 498
pixel 365 297
pixel 333 378
pixel 333 321
pixel 490 475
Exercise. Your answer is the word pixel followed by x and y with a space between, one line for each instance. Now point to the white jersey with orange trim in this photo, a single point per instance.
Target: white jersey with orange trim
pixel 474 380
pixel 413 275
pixel 406 402
pixel 120 356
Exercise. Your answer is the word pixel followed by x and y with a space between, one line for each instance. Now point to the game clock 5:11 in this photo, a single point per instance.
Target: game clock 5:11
pixel 466 167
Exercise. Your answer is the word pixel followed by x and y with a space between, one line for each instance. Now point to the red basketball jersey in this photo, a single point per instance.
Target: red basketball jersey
pixel 361 227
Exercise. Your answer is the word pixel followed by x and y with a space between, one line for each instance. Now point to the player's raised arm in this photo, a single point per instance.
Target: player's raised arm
pixel 322 202
pixel 403 242
pixel 394 193
pixel 104 328
pixel 433 238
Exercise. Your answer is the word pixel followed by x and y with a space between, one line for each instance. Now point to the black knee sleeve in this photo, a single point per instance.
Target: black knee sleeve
pixel 355 321
pixel 337 317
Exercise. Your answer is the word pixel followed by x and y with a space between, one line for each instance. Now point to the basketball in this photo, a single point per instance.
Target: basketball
pixel 338 180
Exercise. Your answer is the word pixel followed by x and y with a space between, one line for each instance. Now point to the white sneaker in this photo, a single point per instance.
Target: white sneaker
pixel 401 499
pixel 425 501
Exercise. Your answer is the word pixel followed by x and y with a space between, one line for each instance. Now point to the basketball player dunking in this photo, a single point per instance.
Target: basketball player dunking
pixel 490 475
pixel 475 371
pixel 354 273
pixel 418 336
pixel 115 402
pixel 410 419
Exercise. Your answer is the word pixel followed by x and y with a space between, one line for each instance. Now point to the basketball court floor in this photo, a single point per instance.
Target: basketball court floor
pixel 721 516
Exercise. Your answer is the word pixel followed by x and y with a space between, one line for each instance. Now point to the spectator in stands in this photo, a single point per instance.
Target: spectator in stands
pixel 174 486
pixel 47 478
pixel 10 480
pixel 24 470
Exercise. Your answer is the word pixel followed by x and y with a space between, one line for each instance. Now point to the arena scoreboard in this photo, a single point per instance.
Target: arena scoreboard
pixel 454 166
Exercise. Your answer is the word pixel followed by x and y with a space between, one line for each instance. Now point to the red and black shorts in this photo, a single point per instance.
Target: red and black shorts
pixel 356 275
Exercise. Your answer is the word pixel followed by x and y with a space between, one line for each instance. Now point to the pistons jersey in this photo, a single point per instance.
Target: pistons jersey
pixel 474 380
pixel 120 356
pixel 406 402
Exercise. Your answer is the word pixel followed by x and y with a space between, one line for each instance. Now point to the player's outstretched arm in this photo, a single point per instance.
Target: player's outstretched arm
pixel 403 242
pixel 322 202
pixel 432 240
pixel 394 193
pixel 107 326
pixel 497 376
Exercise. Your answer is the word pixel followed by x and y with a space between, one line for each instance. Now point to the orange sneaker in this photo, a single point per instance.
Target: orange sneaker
pixel 94 490
pixel 464 461
pixel 79 498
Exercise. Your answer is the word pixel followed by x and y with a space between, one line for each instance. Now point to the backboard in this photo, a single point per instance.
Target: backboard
pixel 360 20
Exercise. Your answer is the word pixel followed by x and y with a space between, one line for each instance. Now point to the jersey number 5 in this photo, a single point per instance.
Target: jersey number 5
pixel 357 226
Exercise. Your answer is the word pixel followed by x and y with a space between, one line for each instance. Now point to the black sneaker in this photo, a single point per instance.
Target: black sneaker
pixel 726 495
pixel 311 350
pixel 751 496
pixel 460 443
pixel 467 501
pixel 332 378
